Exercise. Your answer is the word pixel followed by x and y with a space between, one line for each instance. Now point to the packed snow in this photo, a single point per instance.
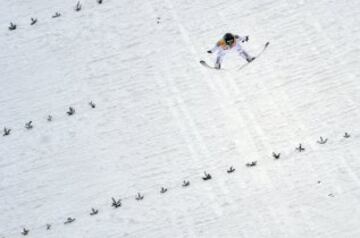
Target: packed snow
pixel 147 115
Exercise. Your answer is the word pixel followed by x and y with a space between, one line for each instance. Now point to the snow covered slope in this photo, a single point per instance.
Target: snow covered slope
pixel 161 118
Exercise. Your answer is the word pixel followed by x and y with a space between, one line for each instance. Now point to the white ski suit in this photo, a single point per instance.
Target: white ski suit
pixel 221 48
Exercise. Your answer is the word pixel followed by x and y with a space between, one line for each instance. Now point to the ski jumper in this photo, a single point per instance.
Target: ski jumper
pixel 221 48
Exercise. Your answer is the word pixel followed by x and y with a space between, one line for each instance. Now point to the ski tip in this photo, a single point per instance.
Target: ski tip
pixel 267 44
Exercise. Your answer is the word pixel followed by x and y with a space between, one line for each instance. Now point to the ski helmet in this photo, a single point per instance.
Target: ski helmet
pixel 229 38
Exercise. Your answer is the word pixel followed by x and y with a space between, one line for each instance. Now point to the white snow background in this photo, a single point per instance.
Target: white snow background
pixel 161 118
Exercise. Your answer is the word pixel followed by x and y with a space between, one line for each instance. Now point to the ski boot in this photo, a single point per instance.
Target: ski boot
pixel 250 59
pixel 217 66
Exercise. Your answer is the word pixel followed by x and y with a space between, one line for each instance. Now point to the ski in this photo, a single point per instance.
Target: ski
pixel 256 56
pixel 203 62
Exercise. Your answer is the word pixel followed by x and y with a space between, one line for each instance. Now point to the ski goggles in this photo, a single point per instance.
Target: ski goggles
pixel 229 42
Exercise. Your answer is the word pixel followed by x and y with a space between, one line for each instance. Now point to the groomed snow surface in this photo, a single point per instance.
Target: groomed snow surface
pixel 162 118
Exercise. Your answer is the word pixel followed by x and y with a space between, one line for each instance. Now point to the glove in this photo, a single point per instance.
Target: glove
pixel 246 39
pixel 209 51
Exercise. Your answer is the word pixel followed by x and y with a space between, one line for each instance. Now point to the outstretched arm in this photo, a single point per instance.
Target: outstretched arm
pixel 242 38
pixel 215 48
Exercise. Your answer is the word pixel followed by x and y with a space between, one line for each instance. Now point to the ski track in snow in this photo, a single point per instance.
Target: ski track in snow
pixel 162 118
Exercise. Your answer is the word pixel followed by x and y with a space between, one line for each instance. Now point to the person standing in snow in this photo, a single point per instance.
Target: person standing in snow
pixel 228 43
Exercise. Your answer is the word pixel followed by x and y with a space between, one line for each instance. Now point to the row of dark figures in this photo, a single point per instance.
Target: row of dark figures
pixel 69 220
pixel 33 21
pixel 116 203
pixel 29 125
pixel 77 8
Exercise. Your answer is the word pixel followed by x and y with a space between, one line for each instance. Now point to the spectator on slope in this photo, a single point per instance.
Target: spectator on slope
pixel 230 42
